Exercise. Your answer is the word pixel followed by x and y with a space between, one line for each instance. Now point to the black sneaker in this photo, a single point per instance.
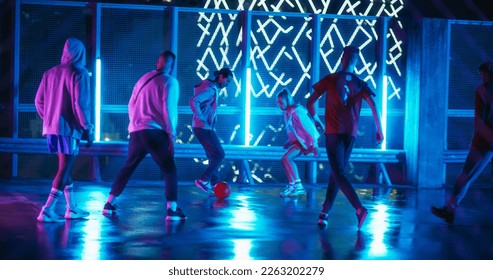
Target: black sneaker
pixel 361 215
pixel 443 214
pixel 175 215
pixel 323 220
pixel 109 208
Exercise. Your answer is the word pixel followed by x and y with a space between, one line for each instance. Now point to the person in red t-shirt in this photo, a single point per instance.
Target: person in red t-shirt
pixel 345 92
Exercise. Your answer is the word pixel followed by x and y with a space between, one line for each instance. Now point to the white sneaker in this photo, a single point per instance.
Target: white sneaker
pixel 285 193
pixel 323 220
pixel 297 190
pixel 75 213
pixel 47 216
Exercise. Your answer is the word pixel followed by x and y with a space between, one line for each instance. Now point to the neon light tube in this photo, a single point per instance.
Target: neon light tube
pixel 247 105
pixel 97 101
pixel 384 113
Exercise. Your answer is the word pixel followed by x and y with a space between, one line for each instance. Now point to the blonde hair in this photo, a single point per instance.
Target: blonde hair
pixel 285 93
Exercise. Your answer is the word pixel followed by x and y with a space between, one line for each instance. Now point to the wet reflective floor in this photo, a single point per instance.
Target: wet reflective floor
pixel 254 223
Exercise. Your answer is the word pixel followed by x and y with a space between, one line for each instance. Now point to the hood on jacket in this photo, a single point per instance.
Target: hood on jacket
pixel 204 84
pixel 74 53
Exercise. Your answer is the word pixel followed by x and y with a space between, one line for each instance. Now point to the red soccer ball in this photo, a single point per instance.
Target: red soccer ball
pixel 222 190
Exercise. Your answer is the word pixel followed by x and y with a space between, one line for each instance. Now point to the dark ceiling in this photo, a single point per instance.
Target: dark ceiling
pixel 451 9
pixel 417 9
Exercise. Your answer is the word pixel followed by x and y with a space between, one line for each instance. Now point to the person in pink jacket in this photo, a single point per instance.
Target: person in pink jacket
pixel 63 103
pixel 302 139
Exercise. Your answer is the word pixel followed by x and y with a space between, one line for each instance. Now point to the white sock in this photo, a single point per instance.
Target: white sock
pixel 111 199
pixel 69 195
pixel 52 199
pixel 172 205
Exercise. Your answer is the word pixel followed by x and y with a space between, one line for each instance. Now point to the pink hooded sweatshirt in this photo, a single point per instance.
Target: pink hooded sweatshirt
pixel 63 97
pixel 148 105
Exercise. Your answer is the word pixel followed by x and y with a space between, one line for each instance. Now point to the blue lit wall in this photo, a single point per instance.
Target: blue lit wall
pixel 281 55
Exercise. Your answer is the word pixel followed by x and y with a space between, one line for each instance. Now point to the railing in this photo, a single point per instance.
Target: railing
pixel 237 152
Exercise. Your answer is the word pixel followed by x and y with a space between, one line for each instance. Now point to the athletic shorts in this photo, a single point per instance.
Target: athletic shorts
pixel 62 144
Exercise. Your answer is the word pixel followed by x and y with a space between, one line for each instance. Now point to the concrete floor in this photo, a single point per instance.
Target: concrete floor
pixel 254 223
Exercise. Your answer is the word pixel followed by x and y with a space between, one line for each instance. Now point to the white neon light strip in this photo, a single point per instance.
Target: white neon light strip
pixel 97 101
pixel 247 105
pixel 384 112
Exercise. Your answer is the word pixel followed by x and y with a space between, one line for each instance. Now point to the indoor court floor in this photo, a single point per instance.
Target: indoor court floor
pixel 254 223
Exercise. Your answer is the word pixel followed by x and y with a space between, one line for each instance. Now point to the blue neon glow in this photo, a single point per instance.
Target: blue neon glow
pixel 97 101
pixel 384 112
pixel 90 234
pixel 242 249
pixel 243 218
pixel 379 225
pixel 247 105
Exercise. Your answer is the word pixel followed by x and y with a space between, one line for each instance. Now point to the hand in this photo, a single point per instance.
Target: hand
pixel 316 152
pixel 90 139
pixel 379 137
pixel 313 150
pixel 286 145
pixel 88 135
pixel 320 126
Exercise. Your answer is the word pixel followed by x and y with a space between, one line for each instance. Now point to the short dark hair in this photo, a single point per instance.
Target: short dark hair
pixel 486 66
pixel 351 51
pixel 164 56
pixel 168 54
pixel 225 72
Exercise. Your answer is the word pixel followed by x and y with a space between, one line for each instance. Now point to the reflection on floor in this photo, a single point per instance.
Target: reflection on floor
pixel 254 223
